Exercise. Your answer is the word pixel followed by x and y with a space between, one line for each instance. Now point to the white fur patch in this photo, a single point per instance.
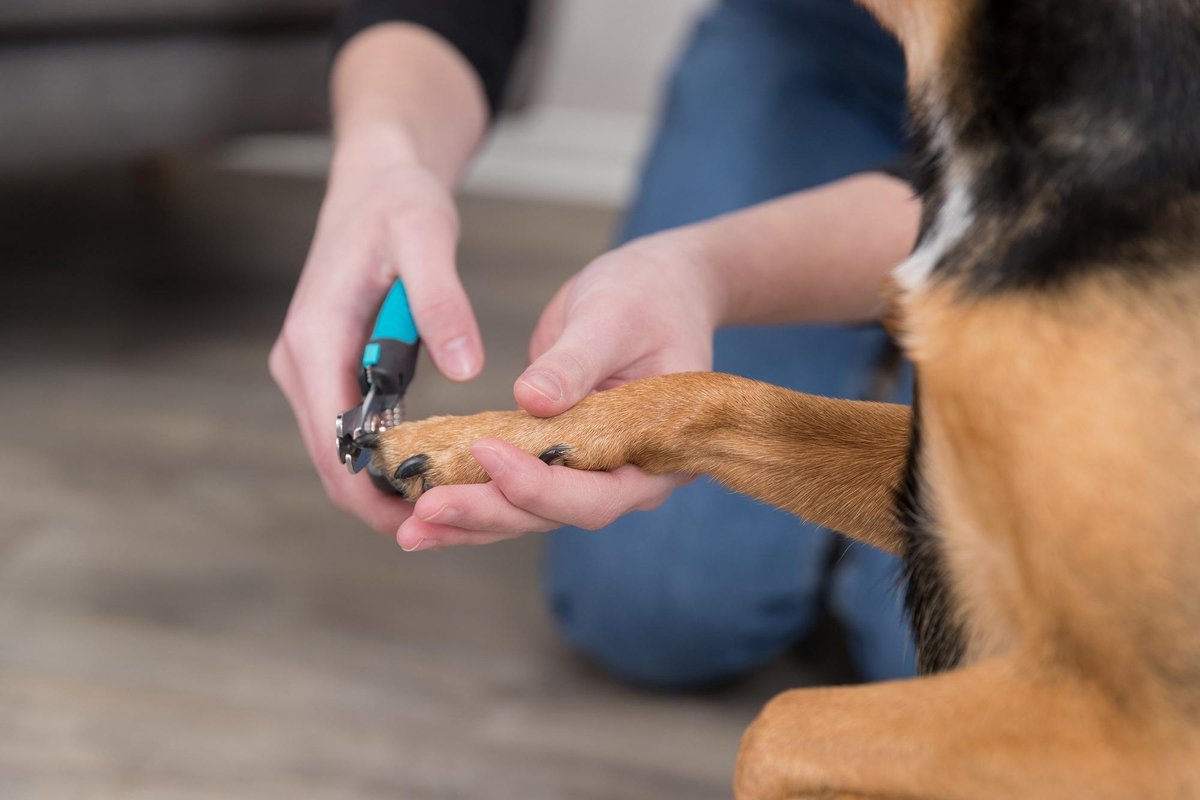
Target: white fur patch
pixel 955 217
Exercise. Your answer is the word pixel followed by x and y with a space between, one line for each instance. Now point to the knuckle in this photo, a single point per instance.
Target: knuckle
pixel 292 336
pixel 607 506
pixel 523 492
pixel 442 313
pixel 342 500
pixel 277 361
pixel 573 367
pixel 334 489
pixel 651 503
pixel 601 518
pixel 422 221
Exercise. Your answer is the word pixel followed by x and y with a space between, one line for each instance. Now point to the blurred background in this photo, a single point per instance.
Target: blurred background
pixel 183 614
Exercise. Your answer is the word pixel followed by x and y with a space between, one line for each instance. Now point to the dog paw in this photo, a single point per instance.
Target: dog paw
pixel 418 456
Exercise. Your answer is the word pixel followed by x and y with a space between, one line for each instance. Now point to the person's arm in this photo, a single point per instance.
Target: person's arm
pixel 651 307
pixel 487 33
pixel 401 92
pixel 410 107
pixel 816 256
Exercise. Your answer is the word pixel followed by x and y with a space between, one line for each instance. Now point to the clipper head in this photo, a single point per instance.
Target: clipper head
pixel 388 366
pixel 358 428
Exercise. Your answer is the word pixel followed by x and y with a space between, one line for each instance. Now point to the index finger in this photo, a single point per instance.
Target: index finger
pixel 352 493
pixel 528 495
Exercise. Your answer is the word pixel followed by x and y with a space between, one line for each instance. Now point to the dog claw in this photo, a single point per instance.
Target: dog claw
pixel 556 455
pixel 412 467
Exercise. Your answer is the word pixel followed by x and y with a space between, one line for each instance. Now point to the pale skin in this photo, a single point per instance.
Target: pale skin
pixel 409 114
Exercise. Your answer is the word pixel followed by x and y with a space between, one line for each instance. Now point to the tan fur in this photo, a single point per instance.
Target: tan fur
pixel 926 28
pixel 835 462
pixel 1061 457
pixel 1062 433
pixel 997 729
pixel 1074 543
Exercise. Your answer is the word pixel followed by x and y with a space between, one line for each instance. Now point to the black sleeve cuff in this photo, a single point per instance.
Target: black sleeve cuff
pixel 487 32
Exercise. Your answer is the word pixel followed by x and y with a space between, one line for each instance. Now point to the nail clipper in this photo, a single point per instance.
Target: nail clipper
pixel 388 362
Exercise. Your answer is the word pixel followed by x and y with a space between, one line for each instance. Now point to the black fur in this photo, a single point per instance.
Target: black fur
pixel 1087 111
pixel 936 630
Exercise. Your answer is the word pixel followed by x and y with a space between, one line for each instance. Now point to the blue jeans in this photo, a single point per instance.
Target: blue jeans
pixel 770 97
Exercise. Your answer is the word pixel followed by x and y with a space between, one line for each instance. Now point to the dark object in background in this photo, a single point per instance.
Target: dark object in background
pixel 84 81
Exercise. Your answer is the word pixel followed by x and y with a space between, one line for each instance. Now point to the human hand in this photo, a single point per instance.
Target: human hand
pixel 648 308
pixel 385 216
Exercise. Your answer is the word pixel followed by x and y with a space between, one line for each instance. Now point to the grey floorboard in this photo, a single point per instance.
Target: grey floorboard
pixel 182 612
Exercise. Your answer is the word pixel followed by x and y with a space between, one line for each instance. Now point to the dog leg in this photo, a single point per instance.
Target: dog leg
pixel 991 730
pixel 832 462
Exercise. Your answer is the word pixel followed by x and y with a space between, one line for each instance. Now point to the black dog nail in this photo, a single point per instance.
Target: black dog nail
pixel 368 441
pixel 556 454
pixel 413 466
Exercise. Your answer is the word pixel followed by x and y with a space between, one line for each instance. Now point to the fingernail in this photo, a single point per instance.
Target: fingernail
pixel 544 384
pixel 422 544
pixel 489 459
pixel 445 515
pixel 457 358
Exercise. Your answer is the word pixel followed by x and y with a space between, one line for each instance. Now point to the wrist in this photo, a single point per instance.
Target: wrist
pixel 404 95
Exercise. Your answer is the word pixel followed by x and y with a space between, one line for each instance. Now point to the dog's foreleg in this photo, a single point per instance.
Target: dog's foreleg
pixel 1000 729
pixel 833 462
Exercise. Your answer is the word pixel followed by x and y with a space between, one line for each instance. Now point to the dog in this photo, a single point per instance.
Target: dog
pixel 1044 489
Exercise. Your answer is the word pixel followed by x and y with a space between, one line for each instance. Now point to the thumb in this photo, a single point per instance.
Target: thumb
pixel 426 260
pixel 591 348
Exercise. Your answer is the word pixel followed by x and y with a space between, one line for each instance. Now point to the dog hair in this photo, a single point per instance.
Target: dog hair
pixel 1044 489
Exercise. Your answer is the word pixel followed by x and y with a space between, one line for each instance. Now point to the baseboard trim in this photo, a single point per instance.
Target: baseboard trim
pixel 556 154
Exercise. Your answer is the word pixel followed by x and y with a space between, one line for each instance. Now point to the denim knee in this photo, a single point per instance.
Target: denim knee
pixel 671 648
pixel 672 600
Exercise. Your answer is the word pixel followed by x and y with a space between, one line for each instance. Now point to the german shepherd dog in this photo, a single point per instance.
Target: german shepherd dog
pixel 1045 488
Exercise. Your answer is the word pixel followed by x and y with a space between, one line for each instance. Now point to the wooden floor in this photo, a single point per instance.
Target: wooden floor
pixel 182 612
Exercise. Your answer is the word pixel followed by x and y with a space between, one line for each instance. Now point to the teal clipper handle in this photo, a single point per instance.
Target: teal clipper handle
pixel 390 357
pixel 395 320
pixel 388 363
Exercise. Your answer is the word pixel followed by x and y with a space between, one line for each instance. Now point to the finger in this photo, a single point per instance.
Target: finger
pixel 483 514
pixel 314 363
pixel 479 509
pixel 423 246
pixel 436 532
pixel 415 536
pixel 589 349
pixel 353 493
pixel 589 500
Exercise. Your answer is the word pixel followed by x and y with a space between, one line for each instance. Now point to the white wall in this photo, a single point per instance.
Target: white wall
pixel 610 55
pixel 580 139
pixel 598 81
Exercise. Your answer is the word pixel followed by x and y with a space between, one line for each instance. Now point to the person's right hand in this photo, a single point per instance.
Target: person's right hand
pixel 648 308
pixel 384 217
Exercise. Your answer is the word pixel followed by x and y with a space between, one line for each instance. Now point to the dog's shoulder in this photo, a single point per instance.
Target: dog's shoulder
pixel 1063 136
